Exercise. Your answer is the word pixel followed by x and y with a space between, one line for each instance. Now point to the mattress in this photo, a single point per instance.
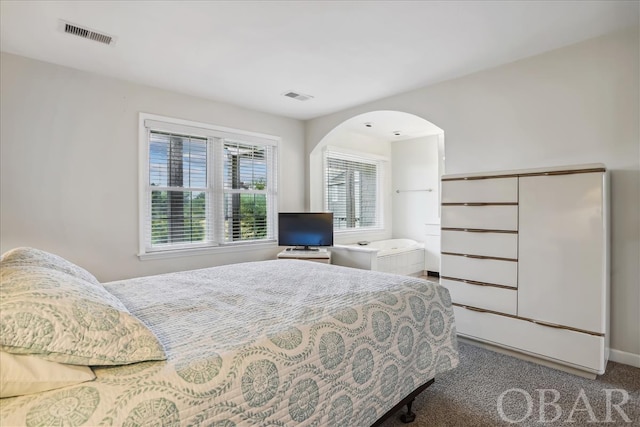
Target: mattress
pixel 272 343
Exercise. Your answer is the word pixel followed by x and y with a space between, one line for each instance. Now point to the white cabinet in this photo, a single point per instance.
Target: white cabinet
pixel 525 258
pixel 562 231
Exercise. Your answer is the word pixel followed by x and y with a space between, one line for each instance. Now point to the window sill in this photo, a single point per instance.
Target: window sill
pixel 210 250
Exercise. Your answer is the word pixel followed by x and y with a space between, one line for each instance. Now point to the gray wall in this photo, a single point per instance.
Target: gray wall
pixel 574 105
pixel 69 164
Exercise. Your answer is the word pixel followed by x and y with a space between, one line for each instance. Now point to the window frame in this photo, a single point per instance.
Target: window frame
pixel 363 157
pixel 215 136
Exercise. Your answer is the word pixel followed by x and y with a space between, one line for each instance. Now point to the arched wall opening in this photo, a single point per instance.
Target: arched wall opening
pixel 411 150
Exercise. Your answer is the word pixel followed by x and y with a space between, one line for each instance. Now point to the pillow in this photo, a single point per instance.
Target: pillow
pixel 25 374
pixel 36 257
pixel 63 318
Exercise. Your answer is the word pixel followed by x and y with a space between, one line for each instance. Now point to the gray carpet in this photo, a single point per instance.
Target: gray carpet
pixel 468 395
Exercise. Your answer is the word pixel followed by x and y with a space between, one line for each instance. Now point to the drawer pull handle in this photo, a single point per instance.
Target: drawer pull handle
pixel 479 310
pixel 480 256
pixel 478 230
pixel 526 319
pixel 479 203
pixel 476 283
pixel 551 325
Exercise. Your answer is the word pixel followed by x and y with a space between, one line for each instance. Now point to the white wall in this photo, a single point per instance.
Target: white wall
pixel 574 105
pixel 415 167
pixel 359 143
pixel 69 164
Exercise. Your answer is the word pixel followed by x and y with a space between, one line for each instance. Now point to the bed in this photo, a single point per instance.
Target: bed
pixel 270 343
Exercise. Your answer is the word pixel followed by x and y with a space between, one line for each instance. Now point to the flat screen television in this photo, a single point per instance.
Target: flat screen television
pixel 305 230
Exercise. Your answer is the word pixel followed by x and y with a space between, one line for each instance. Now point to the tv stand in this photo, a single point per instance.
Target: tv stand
pixel 311 254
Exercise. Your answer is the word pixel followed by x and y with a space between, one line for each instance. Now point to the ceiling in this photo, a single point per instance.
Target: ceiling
pixel 389 126
pixel 343 53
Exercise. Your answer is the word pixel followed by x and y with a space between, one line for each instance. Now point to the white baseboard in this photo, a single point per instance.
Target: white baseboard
pixel 624 357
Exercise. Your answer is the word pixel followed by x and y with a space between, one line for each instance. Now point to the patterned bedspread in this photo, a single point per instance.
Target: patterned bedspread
pixel 273 343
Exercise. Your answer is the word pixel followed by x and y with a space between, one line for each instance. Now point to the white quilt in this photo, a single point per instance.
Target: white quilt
pixel 273 343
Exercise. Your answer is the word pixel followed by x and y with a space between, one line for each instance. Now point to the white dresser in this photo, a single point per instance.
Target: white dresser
pixel 525 258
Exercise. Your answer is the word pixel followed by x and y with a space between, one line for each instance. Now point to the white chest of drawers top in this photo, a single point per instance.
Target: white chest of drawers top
pixel 525 251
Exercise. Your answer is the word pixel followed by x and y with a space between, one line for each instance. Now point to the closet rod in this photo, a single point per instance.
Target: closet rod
pixel 409 191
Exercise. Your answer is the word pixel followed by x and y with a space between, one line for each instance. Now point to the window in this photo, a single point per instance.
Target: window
pixel 204 186
pixel 352 190
pixel 245 191
pixel 178 189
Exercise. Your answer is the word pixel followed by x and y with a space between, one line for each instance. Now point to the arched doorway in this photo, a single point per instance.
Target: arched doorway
pixel 411 150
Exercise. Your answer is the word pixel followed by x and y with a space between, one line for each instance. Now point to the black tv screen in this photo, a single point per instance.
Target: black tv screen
pixel 305 229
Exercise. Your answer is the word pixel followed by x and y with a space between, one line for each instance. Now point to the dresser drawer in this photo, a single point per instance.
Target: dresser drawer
pixel 491 271
pixel 564 346
pixel 492 190
pixel 480 217
pixel 486 297
pixel 501 245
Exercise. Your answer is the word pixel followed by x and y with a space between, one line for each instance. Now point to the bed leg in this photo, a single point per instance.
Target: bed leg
pixel 409 417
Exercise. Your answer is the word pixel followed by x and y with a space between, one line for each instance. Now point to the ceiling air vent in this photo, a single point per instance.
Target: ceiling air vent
pixel 86 33
pixel 298 96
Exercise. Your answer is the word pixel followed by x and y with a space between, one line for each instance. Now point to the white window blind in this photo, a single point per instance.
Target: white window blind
pixel 351 191
pixel 179 190
pixel 205 187
pixel 248 191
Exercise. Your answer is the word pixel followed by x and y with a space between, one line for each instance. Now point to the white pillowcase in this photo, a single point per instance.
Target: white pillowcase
pixel 26 374
pixel 49 308
pixel 26 257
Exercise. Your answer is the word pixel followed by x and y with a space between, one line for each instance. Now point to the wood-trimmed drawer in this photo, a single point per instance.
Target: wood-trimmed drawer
pixel 576 349
pixel 501 245
pixel 489 217
pixel 491 190
pixel 492 271
pixel 487 297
